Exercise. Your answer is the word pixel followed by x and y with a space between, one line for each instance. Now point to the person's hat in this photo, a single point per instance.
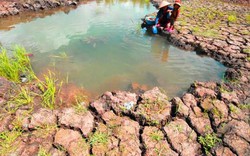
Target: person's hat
pixel 178 2
pixel 163 4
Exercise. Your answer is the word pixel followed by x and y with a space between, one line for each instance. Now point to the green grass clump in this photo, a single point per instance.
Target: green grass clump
pixel 7 139
pixel 49 91
pixel 45 130
pixel 79 105
pixel 208 141
pixel 24 97
pixel 247 51
pixel 217 113
pixel 248 18
pixel 12 67
pixel 43 152
pixel 233 108
pixel 232 18
pixel 157 136
pixel 196 29
pixel 245 106
pixel 210 33
pixel 98 138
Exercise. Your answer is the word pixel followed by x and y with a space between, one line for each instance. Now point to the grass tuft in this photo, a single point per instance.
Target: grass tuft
pixel 208 141
pixel 248 18
pixel 157 136
pixel 232 18
pixel 13 67
pixel 98 138
pixel 45 130
pixel 49 91
pixel 244 106
pixel 43 152
pixel 79 106
pixel 7 140
pixel 24 97
pixel 233 108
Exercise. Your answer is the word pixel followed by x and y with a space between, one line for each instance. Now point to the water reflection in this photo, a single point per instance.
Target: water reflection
pixel 160 48
pixel 25 17
pixel 141 3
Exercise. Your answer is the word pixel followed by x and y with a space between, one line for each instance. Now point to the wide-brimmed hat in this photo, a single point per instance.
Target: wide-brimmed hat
pixel 163 4
pixel 178 2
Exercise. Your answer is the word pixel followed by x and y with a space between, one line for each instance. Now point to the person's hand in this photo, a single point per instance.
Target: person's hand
pixel 166 29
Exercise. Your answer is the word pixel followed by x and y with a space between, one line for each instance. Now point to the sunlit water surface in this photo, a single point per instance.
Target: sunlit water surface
pixel 101 47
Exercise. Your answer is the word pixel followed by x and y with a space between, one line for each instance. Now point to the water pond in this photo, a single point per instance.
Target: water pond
pixel 101 47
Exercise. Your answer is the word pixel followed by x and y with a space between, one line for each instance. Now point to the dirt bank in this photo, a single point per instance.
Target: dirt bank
pixel 209 119
pixel 14 7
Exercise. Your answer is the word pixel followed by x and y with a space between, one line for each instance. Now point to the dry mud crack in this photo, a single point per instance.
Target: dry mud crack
pixel 110 127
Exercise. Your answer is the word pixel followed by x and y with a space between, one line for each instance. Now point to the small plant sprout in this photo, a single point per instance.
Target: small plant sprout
pixel 13 67
pixel 60 147
pixel 160 151
pixel 45 130
pixel 232 18
pixel 248 18
pixel 80 104
pixel 179 128
pixel 233 108
pixel 217 113
pixel 98 138
pixel 24 97
pixel 208 141
pixel 156 136
pixel 49 90
pixel 247 51
pixel 244 106
pixel 8 140
pixel 43 152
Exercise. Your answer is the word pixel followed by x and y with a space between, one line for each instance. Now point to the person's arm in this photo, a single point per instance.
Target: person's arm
pixel 156 20
pixel 159 13
pixel 159 21
pixel 177 14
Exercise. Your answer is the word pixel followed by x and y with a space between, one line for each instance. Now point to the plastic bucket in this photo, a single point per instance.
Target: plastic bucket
pixel 150 20
pixel 154 30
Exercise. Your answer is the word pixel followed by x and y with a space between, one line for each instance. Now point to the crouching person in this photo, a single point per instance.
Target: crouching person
pixel 174 15
pixel 164 20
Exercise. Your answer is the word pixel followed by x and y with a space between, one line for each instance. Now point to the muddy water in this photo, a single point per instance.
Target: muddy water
pixel 101 47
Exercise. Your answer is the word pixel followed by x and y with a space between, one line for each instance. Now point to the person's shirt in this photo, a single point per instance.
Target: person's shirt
pixel 167 12
pixel 159 13
pixel 175 14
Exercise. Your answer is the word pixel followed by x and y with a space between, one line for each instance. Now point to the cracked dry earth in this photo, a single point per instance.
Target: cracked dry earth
pixel 151 125
pixel 15 7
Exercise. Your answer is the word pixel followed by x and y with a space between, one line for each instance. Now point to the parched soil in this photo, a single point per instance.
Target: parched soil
pixel 238 1
pixel 221 31
pixel 14 7
pixel 210 119
pixel 124 123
